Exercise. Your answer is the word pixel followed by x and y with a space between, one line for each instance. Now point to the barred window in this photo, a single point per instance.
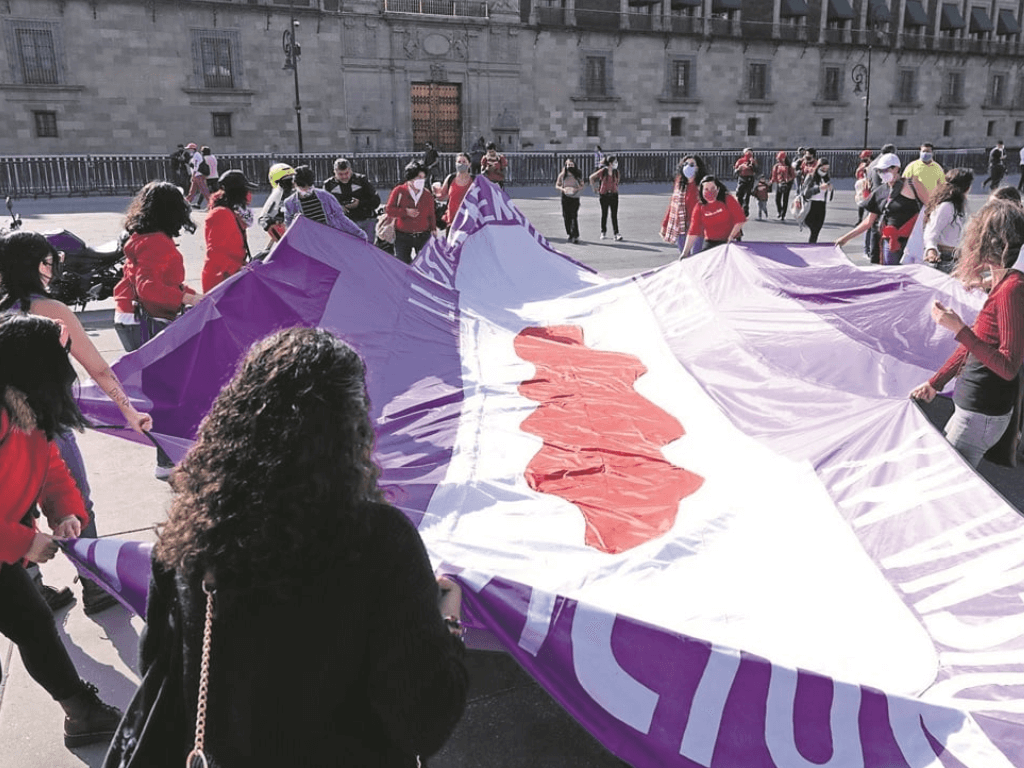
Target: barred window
pixel 216 58
pixel 906 86
pixel 34 51
pixel 757 80
pixel 681 79
pixel 222 124
pixel 595 79
pixel 954 90
pixel 46 124
pixel 831 84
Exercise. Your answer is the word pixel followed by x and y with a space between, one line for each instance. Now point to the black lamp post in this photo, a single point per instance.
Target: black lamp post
pixel 292 51
pixel 862 87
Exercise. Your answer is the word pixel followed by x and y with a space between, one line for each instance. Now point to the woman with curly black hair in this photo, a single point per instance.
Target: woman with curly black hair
pixel 330 636
pixel 944 218
pixel 36 403
pixel 152 291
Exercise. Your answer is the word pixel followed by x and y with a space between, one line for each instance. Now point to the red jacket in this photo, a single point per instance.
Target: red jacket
pixel 154 276
pixel 33 472
pixel 225 247
pixel 400 199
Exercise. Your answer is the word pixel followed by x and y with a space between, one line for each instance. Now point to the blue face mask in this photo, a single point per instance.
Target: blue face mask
pixel 689 171
pixel 926 157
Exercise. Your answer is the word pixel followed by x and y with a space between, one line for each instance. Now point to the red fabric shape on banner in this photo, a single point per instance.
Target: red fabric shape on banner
pixel 602 440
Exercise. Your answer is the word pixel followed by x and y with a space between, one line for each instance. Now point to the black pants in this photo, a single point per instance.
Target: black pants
pixel 27 621
pixel 782 199
pixel 995 176
pixel 570 215
pixel 815 219
pixel 743 189
pixel 406 243
pixel 609 202
pixel 1020 184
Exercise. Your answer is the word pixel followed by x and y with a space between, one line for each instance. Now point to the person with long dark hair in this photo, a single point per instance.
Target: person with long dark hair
pixel 227 247
pixel 815 190
pixel 570 183
pixel 27 264
pixel 37 404
pixel 689 172
pixel 988 360
pixel 945 217
pixel 605 181
pixel 718 218
pixel 279 493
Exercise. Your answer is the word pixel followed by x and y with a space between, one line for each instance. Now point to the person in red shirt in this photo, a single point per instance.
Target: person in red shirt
pixel 412 207
pixel 988 360
pixel 37 403
pixel 493 165
pixel 455 187
pixel 718 218
pixel 230 216
pixel 689 172
pixel 746 170
pixel 782 179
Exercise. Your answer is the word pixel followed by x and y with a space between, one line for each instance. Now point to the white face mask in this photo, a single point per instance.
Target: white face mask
pixel 689 171
pixel 417 184
pixel 889 176
pixel 462 168
pixel 614 166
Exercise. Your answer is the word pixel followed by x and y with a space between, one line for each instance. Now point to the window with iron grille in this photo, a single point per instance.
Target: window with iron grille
pixel 34 51
pixel 675 126
pixel 831 83
pixel 595 79
pixel 222 124
pixel 953 93
pixel 906 86
pixel 826 126
pixel 593 126
pixel 216 58
pixel 46 124
pixel 997 90
pixel 757 80
pixel 681 83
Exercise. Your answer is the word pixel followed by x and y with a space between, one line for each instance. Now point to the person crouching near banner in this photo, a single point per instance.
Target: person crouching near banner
pixel 278 493
pixel 227 247
pixel 988 360
pixel 36 404
pixel 27 264
pixel 412 207
pixel 718 218
pixel 153 292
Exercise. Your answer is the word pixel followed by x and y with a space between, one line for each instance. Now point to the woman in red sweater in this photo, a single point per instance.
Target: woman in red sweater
pixel 718 218
pixel 412 207
pixel 230 216
pixel 36 403
pixel 988 360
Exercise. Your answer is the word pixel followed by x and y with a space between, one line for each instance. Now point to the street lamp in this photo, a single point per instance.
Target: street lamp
pixel 292 51
pixel 862 87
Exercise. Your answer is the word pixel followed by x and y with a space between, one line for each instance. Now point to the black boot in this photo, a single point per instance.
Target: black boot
pixel 95 598
pixel 88 720
pixel 54 599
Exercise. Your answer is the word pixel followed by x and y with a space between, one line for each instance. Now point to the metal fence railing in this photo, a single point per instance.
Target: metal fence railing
pixel 70 175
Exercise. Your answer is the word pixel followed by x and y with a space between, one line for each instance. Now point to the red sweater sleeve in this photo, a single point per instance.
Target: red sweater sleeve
pixel 155 273
pixel 1004 359
pixel 736 214
pixel 225 249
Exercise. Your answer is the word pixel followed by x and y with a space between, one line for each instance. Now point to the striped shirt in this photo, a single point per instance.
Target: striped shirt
pixel 312 208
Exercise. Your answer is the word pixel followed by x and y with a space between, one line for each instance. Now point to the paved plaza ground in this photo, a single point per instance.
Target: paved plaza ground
pixel 509 721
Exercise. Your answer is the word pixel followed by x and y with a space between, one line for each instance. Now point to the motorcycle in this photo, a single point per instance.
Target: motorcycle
pixel 15 224
pixel 87 273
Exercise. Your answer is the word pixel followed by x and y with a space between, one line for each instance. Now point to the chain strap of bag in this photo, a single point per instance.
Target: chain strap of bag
pixel 197 757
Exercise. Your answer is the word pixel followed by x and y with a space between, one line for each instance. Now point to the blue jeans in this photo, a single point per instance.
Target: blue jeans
pixel 974 433
pixel 68 447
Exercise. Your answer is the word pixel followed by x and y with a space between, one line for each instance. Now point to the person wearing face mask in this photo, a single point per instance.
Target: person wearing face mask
pixel 746 171
pixel 605 181
pixel 718 218
pixel 815 191
pixel 925 169
pixel 494 164
pixel 318 205
pixel 570 184
pixel 455 187
pixel 356 195
pixel 412 208
pixel 895 205
pixel 227 248
pixel 782 179
pixel 684 200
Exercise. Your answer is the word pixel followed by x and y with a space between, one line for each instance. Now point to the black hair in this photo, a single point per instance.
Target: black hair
pixel 414 169
pixel 304 176
pixel 34 364
pixel 492 145
pixel 21 253
pixel 722 192
pixel 702 171
pixel 159 207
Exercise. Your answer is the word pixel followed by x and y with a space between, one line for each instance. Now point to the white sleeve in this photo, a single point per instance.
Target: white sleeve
pixel 938 224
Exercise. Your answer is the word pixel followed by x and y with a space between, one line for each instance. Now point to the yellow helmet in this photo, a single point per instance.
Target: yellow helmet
pixel 279 171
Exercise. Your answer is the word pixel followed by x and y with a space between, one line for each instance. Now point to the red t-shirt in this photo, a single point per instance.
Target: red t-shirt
pixel 714 220
pixel 456 194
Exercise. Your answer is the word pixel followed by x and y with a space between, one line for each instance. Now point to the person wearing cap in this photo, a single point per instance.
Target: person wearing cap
pixel 718 217
pixel 357 196
pixel 227 248
pixel 925 169
pixel 318 205
pixel 895 205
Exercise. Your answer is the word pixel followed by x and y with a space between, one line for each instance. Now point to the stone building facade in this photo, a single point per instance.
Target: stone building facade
pixel 139 76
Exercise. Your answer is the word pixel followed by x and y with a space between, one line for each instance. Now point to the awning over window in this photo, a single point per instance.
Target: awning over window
pixel 878 12
pixel 793 8
pixel 1006 23
pixel 727 5
pixel 839 10
pixel 980 22
pixel 687 3
pixel 951 18
pixel 915 15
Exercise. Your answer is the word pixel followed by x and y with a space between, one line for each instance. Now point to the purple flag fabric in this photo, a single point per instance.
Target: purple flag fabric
pixel 697 504
pixel 120 567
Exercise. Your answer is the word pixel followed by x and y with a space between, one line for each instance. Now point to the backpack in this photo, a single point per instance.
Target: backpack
pixel 204 168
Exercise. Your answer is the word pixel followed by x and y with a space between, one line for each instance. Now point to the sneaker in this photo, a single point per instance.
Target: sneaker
pixel 95 598
pixel 576 240
pixel 87 719
pixel 618 236
pixel 54 599
pixel 163 473
pixel 604 236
